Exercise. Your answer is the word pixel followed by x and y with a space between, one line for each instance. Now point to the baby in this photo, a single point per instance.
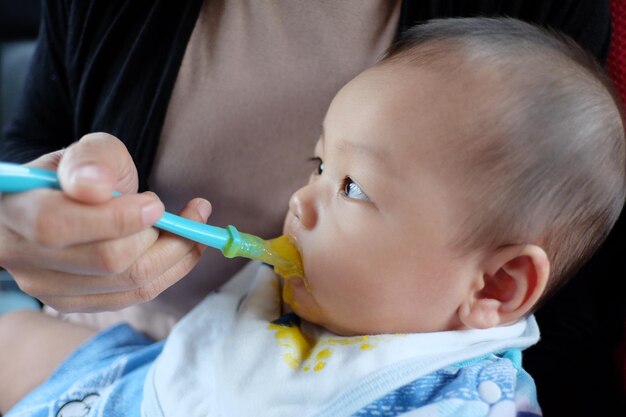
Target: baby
pixel 458 183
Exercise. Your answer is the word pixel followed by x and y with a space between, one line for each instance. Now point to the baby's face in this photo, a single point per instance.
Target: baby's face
pixel 376 222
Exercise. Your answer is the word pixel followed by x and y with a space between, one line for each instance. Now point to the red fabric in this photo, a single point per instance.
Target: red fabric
pixel 617 52
pixel 616 65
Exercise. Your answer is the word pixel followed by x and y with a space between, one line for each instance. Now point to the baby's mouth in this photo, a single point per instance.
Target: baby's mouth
pixel 284 255
pixel 297 278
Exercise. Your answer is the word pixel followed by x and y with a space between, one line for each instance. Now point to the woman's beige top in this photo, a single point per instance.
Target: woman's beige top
pixel 246 110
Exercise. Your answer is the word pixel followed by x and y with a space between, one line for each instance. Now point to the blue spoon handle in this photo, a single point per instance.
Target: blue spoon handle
pixel 15 178
pixel 18 178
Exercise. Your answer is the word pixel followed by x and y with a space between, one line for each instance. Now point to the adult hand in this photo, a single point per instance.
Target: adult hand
pixel 80 249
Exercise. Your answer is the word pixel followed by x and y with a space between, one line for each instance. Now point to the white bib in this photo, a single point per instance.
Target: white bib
pixel 229 357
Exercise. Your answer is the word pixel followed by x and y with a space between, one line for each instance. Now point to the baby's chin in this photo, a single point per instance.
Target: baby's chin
pixel 298 296
pixel 303 304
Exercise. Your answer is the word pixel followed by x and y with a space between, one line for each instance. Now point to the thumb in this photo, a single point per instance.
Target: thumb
pixel 95 166
pixel 49 161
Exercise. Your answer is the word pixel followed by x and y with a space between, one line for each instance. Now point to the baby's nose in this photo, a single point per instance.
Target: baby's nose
pixel 302 206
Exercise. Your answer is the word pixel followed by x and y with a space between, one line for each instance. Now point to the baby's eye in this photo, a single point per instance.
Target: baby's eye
pixel 352 190
pixel 320 165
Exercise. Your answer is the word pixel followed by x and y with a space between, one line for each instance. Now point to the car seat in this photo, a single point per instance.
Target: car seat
pixel 18 30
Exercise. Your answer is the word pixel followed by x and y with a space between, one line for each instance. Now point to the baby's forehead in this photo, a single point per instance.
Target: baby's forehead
pixel 413 119
pixel 432 105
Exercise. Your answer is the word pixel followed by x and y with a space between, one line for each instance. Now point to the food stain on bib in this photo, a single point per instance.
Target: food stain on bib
pixel 297 344
pixel 302 352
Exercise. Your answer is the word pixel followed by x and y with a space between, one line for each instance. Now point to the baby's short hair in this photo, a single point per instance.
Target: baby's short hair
pixel 548 165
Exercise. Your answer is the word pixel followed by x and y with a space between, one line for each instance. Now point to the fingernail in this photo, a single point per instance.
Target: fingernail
pixel 90 174
pixel 204 208
pixel 151 212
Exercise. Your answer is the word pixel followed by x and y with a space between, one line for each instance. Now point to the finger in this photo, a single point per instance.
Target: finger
pixel 90 265
pixel 95 166
pixel 47 285
pixel 48 161
pixel 93 303
pixel 164 264
pixel 104 258
pixel 49 218
pixel 169 250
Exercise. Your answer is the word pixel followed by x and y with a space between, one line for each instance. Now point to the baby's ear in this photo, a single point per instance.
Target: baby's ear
pixel 513 278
